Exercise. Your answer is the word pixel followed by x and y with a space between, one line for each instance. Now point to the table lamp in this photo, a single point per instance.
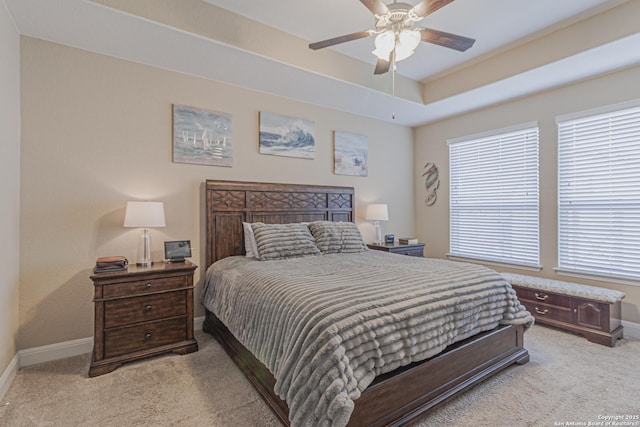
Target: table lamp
pixel 376 213
pixel 144 215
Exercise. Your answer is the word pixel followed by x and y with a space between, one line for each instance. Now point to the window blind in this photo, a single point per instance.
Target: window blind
pixel 494 197
pixel 599 194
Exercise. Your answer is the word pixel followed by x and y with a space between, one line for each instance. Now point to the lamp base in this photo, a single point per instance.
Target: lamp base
pixel 144 264
pixel 144 250
pixel 378 233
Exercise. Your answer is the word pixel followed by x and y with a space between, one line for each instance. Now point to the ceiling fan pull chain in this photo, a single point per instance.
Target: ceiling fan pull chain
pixel 393 85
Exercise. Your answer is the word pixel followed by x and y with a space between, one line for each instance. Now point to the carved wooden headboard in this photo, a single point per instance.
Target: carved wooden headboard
pixel 229 203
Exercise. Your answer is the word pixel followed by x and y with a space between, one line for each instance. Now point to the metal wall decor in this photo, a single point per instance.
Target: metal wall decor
pixel 431 183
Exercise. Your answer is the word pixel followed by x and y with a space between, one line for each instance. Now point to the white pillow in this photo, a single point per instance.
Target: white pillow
pixel 250 246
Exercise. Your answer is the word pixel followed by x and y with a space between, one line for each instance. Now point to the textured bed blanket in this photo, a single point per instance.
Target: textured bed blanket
pixel 327 325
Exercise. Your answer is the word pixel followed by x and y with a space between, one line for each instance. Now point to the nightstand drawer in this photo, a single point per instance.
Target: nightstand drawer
pixel 144 286
pixel 410 252
pixel 543 311
pixel 534 295
pixel 129 339
pixel 144 308
pixel 416 249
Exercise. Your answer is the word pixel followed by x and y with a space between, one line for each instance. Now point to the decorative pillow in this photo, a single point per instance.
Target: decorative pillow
pixel 250 246
pixel 282 241
pixel 337 237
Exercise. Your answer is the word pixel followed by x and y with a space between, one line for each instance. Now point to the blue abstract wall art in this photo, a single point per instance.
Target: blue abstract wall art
pixel 287 136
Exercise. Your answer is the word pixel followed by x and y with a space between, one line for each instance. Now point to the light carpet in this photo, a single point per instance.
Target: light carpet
pixel 569 381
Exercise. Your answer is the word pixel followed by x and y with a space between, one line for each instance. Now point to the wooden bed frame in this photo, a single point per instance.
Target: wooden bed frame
pixel 392 399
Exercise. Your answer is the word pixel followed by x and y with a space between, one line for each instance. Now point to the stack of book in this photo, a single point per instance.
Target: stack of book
pixel 110 263
pixel 407 240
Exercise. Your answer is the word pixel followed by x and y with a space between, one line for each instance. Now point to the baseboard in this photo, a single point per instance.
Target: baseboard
pixel 631 329
pixel 47 353
pixel 8 375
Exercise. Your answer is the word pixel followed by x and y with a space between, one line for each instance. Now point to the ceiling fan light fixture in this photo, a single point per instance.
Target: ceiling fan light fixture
pixel 405 44
pixel 408 41
pixel 385 42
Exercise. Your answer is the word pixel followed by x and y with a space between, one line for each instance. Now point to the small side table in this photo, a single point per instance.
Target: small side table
pixel 141 312
pixel 416 249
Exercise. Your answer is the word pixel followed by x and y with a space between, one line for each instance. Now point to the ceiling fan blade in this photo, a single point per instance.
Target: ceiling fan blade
pixel 341 39
pixel 382 66
pixel 452 41
pixel 377 7
pixel 427 7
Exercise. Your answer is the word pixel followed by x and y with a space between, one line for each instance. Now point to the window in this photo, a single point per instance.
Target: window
pixel 494 196
pixel 599 192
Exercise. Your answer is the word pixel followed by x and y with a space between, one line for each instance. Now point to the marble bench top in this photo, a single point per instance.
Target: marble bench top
pixel 565 288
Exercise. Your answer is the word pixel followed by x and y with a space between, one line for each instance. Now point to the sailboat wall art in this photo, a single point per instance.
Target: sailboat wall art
pixel 202 137
pixel 287 136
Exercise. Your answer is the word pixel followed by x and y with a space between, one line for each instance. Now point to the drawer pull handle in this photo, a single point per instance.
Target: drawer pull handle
pixel 148 286
pixel 545 311
pixel 541 297
pixel 147 336
pixel 147 307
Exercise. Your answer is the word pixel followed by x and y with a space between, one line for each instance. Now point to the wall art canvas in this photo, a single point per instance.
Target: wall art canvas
pixel 202 137
pixel 350 154
pixel 287 136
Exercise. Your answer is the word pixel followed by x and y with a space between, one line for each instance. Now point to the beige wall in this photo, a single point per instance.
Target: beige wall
pixel 97 132
pixel 9 185
pixel 432 223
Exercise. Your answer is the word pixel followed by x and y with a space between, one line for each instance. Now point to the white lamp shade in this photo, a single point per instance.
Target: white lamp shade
pixel 144 215
pixel 377 212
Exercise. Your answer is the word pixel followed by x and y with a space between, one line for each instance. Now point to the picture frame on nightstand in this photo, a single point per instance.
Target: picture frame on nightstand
pixel 177 250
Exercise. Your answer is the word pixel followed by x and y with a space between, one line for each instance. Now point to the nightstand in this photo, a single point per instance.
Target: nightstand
pixel 141 312
pixel 416 249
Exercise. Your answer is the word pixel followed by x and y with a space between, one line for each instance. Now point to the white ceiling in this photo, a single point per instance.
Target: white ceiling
pixel 496 24
pixel 492 23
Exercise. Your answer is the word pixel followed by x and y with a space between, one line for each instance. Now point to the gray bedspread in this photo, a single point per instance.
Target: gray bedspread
pixel 327 325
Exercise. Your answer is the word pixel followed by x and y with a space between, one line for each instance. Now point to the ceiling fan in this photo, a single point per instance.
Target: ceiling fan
pixel 396 35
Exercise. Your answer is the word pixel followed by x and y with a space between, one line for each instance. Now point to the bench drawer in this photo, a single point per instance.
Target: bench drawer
pixel 543 297
pixel 544 312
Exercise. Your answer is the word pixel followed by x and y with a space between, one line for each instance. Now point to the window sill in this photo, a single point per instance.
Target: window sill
pixel 526 267
pixel 591 276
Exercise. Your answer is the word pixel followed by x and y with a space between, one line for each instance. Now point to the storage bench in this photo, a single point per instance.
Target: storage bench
pixel 590 311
